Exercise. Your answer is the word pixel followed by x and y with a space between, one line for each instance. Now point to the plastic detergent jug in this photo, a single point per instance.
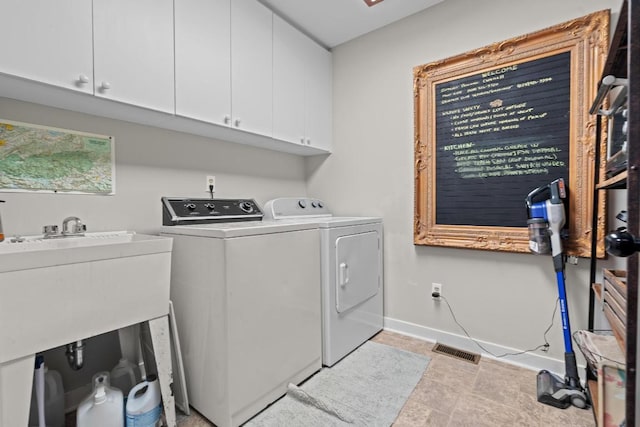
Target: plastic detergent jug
pixel 53 399
pixel 143 404
pixel 124 376
pixel 103 407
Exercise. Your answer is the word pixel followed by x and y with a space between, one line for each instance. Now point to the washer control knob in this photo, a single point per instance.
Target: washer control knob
pixel 314 204
pixel 320 204
pixel 210 206
pixel 302 204
pixel 190 206
pixel 246 207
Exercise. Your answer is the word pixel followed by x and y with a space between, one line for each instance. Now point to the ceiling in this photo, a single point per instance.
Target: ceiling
pixel 333 22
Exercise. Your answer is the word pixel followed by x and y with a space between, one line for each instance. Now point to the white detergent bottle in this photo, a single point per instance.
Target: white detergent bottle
pixel 53 399
pixel 124 376
pixel 103 407
pixel 144 407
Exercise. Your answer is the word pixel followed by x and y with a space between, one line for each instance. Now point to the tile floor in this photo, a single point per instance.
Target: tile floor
pixel 454 393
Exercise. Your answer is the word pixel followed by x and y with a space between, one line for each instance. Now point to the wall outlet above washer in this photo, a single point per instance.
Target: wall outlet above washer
pixel 211 183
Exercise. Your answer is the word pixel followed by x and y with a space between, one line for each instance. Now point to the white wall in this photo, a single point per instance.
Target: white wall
pixel 150 163
pixel 501 298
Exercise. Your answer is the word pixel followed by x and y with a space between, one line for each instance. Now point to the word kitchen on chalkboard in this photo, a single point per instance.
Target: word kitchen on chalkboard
pixel 494 123
pixel 499 132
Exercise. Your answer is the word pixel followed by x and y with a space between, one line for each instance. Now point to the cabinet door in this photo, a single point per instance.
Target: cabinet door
pixel 289 78
pixel 203 60
pixel 319 96
pixel 251 67
pixel 133 52
pixel 48 41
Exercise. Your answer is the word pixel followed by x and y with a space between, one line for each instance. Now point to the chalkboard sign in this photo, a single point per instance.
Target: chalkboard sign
pixel 495 123
pixel 500 134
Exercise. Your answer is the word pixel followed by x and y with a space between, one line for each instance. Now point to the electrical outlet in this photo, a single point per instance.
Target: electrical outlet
pixel 436 289
pixel 211 183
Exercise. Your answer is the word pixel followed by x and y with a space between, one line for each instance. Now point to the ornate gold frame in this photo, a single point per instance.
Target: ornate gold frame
pixel 587 38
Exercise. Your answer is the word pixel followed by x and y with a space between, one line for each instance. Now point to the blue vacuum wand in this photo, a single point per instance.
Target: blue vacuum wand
pixel 545 208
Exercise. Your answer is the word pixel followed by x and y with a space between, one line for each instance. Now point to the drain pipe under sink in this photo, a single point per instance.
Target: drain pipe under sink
pixel 75 355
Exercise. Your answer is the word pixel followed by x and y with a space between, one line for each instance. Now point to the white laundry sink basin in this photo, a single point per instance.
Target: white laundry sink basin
pixel 36 252
pixel 56 291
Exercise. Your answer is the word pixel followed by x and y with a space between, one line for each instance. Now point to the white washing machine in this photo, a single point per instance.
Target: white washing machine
pixel 246 296
pixel 351 260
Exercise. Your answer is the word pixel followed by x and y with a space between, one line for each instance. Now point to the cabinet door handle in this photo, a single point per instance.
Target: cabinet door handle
pixel 308 141
pixel 301 140
pixel 105 86
pixel 227 119
pixel 83 79
pixel 237 122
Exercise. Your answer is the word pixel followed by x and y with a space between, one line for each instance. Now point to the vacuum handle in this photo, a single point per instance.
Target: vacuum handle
pixel 556 189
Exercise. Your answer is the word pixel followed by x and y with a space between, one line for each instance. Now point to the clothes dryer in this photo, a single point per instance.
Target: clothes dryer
pixel 351 272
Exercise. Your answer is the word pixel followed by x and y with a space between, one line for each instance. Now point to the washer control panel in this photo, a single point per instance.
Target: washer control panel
pixel 180 211
pixel 295 207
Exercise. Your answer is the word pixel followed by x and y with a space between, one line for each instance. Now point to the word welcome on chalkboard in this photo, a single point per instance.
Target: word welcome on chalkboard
pixel 495 123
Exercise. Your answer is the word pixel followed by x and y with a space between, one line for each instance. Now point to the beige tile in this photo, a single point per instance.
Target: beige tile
pixel 497 383
pixel 433 395
pixel 422 418
pixel 438 419
pixel 455 393
pixel 456 373
pixel 474 410
pixel 527 380
pixel 413 414
pixel 528 403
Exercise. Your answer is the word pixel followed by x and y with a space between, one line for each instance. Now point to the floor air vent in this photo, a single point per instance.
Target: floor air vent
pixel 458 354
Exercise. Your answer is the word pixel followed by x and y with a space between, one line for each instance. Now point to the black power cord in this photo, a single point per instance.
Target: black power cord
pixel 544 347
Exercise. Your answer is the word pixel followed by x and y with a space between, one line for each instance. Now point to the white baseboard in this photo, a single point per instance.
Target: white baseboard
pixel 531 361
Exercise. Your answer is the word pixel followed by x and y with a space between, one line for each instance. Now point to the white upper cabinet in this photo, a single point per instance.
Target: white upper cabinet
pixel 48 41
pixel 133 52
pixel 302 88
pixel 319 96
pixel 203 60
pixel 207 67
pixel 289 81
pixel 251 67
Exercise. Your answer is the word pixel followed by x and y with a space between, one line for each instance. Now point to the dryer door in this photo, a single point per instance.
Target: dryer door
pixel 357 269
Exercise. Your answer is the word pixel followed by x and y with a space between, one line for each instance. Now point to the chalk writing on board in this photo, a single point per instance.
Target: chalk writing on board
pixel 500 133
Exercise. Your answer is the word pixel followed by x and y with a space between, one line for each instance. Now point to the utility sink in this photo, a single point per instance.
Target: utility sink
pixel 56 291
pixel 36 252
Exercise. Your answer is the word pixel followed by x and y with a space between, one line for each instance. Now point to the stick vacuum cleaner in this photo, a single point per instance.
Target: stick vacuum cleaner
pixel 545 208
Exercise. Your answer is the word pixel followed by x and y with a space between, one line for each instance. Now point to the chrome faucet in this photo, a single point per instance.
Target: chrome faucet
pixel 78 228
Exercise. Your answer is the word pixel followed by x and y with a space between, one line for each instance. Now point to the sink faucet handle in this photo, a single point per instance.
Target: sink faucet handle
pixel 49 230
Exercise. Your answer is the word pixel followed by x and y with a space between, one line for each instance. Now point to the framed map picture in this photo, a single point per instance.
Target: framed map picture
pixel 45 159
